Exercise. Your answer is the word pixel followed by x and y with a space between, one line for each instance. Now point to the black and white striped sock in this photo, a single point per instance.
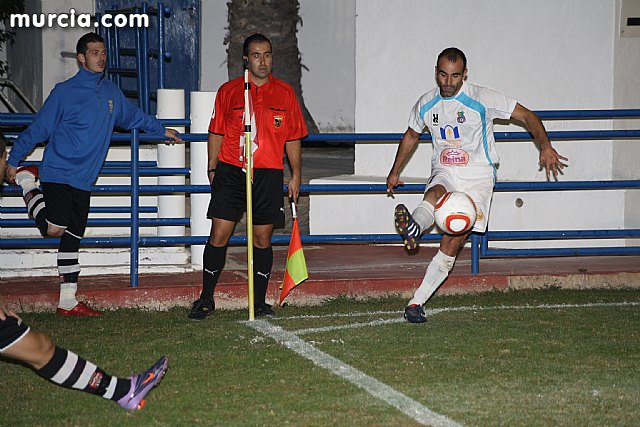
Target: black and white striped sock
pixel 37 209
pixel 70 371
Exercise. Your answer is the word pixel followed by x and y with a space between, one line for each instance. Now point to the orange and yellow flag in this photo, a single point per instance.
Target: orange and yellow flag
pixel 296 269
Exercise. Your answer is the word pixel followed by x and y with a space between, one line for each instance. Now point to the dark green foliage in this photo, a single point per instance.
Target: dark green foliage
pixel 7 7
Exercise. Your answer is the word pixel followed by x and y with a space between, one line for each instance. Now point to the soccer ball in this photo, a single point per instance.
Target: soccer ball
pixel 455 213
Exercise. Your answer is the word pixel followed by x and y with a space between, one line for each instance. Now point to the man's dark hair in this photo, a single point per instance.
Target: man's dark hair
pixel 453 54
pixel 81 46
pixel 255 38
pixel 3 146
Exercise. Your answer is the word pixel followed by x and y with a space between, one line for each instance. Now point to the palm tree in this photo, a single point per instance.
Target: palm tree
pixel 278 20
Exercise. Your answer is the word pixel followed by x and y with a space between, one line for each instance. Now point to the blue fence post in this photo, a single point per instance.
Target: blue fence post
pixel 135 207
pixel 475 254
pixel 139 67
pixel 146 85
pixel 116 55
pixel 161 48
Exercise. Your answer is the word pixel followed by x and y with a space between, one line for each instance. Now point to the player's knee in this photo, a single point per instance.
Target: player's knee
pixel 262 242
pixel 53 231
pixel 43 349
pixel 424 215
pixel 218 241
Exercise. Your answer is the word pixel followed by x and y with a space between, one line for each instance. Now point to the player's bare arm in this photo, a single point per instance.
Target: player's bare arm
pixel 405 148
pixel 293 150
pixel 549 157
pixel 214 142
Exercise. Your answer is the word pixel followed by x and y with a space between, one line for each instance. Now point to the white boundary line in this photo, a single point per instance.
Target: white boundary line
pixel 431 312
pixel 400 401
pixel 403 403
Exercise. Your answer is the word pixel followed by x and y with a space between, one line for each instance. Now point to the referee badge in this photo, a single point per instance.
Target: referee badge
pixel 277 121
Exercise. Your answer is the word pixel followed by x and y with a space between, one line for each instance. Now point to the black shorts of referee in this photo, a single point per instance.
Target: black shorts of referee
pixel 229 195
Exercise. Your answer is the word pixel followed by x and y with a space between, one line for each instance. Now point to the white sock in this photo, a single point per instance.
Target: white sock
pixel 437 272
pixel 68 295
pixel 423 215
pixel 26 180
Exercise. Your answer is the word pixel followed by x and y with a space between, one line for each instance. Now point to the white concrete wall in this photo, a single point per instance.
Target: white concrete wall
pixel 213 53
pixel 626 94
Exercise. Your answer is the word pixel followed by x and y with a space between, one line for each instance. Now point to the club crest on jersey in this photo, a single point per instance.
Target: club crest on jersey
pixel 110 106
pixel 454 157
pixel 461 118
pixel 277 121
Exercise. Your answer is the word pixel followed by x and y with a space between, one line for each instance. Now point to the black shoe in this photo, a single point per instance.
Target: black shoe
pixel 414 313
pixel 201 309
pixel 408 227
pixel 262 310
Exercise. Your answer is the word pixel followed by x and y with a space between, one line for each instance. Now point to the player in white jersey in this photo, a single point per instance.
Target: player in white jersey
pixel 459 117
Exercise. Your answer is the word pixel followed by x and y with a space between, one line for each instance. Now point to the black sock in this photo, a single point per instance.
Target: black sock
pixel 71 371
pixel 213 261
pixel 262 263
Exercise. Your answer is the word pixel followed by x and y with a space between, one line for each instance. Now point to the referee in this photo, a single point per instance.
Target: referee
pixel 278 128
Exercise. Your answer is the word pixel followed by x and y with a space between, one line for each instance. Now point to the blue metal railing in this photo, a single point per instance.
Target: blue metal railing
pixel 479 243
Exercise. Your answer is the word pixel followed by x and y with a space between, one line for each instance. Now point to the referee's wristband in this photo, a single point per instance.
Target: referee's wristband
pixel 211 170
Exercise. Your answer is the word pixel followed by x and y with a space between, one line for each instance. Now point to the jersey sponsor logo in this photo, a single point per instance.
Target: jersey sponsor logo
pixel 434 120
pixel 454 157
pixel 449 132
pixel 277 121
pixel 461 118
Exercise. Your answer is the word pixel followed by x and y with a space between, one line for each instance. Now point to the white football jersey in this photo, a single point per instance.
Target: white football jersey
pixel 461 127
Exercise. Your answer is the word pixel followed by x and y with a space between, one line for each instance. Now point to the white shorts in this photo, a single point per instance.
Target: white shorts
pixel 476 181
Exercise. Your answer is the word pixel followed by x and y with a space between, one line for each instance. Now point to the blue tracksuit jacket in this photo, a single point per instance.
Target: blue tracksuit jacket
pixel 78 119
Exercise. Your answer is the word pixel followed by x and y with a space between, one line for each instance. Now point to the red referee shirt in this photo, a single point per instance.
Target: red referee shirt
pixel 278 120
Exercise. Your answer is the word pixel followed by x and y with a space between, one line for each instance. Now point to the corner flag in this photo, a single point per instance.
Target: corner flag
pixel 296 269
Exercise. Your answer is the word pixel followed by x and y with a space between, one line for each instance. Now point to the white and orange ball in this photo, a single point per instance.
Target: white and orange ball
pixel 455 213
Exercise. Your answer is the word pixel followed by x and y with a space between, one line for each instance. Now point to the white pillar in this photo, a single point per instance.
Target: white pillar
pixel 171 106
pixel 201 110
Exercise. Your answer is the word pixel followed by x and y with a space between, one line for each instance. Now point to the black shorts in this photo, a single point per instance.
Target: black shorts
pixel 67 207
pixel 12 330
pixel 229 195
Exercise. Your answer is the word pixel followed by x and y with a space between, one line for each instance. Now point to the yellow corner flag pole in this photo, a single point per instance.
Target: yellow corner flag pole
pixel 249 171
